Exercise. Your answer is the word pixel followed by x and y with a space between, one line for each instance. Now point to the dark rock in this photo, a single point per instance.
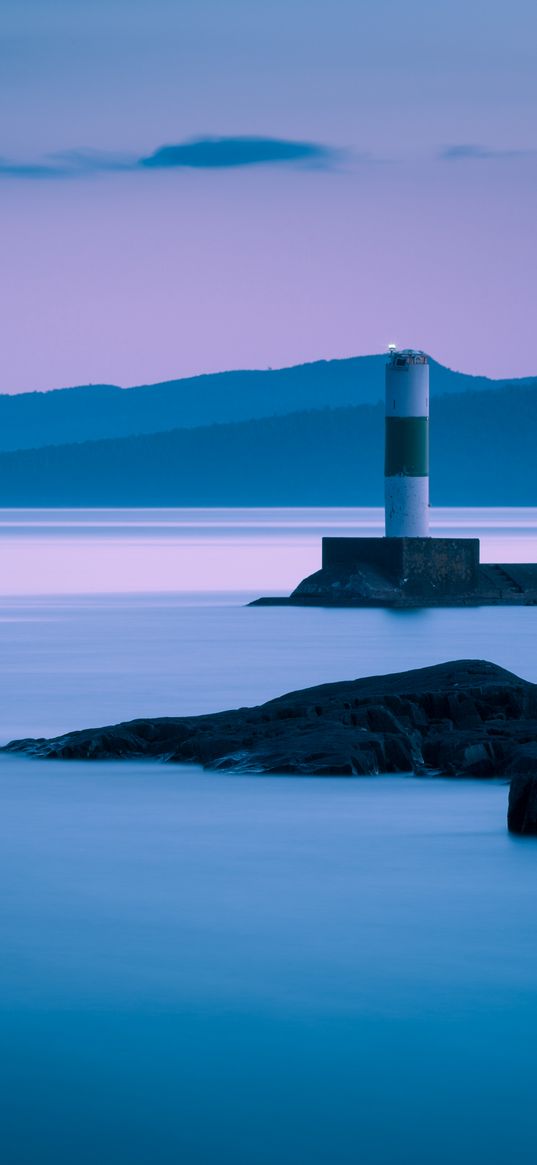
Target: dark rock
pixel 477 760
pixel 380 719
pixel 464 719
pixel 463 711
pixel 401 753
pixel 522 808
pixel 523 759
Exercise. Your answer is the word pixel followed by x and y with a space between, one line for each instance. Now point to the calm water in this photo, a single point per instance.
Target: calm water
pixel 200 968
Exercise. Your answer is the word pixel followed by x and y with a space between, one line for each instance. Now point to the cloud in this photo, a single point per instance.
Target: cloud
pixel 220 153
pixel 68 164
pixel 93 161
pixel 479 153
pixel 26 170
pixel 201 153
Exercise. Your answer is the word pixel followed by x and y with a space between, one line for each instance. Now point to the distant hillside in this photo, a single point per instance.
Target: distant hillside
pixel 482 453
pixel 32 420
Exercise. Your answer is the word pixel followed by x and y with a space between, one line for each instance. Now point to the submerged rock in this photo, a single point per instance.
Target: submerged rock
pixel 464 719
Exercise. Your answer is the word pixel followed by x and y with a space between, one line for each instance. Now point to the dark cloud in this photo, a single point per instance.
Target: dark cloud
pixel 202 153
pixel 219 153
pixel 22 170
pixel 460 152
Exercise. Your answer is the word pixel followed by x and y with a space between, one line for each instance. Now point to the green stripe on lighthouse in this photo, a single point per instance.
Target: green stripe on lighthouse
pixel 407 447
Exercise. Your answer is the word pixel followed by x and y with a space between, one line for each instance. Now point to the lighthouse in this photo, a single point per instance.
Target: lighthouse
pixel 409 568
pixel 406 466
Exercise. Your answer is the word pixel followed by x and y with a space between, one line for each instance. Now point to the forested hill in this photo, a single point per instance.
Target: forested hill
pixel 482 453
pixel 31 420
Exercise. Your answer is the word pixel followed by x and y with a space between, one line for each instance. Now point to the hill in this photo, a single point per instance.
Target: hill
pixel 35 419
pixel 482 453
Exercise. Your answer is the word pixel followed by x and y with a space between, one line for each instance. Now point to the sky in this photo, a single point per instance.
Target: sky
pixel 194 185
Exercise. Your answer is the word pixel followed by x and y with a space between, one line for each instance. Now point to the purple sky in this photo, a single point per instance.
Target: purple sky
pixel 413 218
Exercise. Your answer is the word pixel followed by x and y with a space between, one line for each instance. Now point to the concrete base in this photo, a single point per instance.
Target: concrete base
pixel 418 565
pixel 411 572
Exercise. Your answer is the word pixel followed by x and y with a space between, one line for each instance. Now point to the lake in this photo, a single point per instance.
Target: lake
pixel 262 971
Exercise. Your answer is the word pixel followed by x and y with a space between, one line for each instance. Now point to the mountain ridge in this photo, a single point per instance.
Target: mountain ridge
pixel 94 412
pixel 482 453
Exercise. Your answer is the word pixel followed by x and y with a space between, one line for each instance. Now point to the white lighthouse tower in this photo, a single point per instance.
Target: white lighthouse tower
pixel 406 470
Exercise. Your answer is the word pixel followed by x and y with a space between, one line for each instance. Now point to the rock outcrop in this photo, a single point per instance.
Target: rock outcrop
pixel 522 808
pixel 464 719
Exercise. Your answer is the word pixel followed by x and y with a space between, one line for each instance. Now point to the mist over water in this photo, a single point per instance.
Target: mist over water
pixel 201 967
pixel 107 615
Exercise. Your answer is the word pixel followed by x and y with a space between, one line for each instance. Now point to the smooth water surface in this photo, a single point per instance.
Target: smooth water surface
pixel 205 968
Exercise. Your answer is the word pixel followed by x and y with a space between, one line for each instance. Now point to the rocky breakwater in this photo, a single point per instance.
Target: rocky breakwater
pixel 469 718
